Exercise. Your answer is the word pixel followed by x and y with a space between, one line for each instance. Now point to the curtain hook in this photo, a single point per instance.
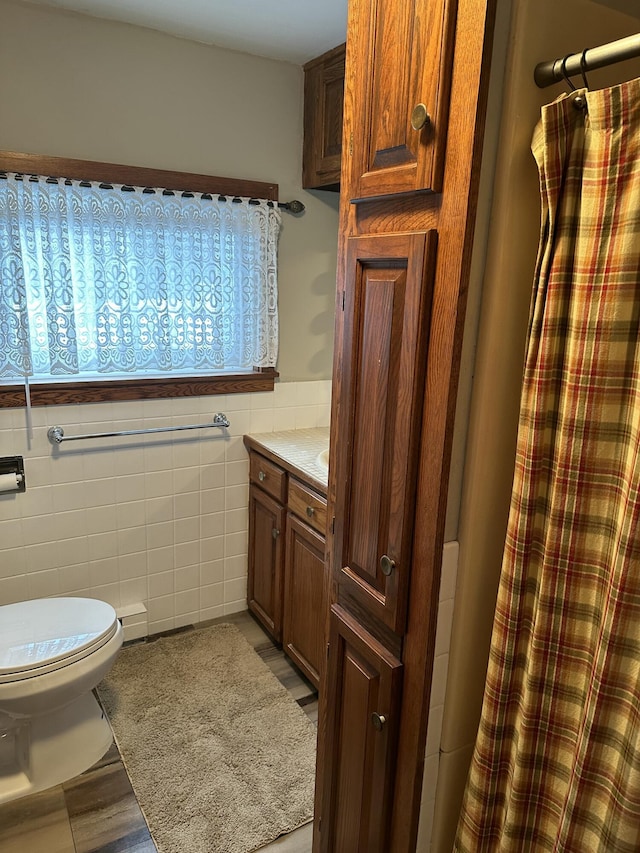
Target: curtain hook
pixel 583 68
pixel 563 68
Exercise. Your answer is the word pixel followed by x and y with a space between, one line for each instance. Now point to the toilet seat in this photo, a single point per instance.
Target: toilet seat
pixel 44 635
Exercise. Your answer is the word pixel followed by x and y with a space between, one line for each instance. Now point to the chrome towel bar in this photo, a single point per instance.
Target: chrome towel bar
pixel 56 434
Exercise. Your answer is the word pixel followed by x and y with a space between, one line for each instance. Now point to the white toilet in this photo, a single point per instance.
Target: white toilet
pixel 53 652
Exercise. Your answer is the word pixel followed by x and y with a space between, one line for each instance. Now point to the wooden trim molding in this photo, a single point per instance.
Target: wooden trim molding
pixel 135 176
pixel 62 393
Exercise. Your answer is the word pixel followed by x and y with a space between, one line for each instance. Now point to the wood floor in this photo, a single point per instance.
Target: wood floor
pixel 97 812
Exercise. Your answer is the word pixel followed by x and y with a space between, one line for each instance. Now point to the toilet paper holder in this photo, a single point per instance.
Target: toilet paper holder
pixel 14 465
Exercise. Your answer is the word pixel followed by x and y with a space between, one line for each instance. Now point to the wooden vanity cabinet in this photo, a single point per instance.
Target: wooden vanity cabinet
pixel 323 102
pixel 287 584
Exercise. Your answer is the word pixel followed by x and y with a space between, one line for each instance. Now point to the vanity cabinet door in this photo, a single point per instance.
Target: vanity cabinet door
pixel 361 731
pixel 305 598
pixel 267 520
pixel 398 71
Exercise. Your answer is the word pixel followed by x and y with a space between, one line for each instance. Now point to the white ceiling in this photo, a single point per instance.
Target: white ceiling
pixel 292 30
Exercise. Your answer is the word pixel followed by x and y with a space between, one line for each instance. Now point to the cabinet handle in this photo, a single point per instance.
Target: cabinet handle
pixel 379 721
pixel 420 117
pixel 262 476
pixel 310 511
pixel 275 532
pixel 387 565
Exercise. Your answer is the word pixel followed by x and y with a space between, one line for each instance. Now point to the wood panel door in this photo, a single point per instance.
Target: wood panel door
pixel 364 696
pixel 266 557
pixel 386 317
pixel 305 597
pixel 400 64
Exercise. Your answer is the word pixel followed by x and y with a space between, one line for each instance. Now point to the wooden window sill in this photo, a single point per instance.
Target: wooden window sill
pixel 63 393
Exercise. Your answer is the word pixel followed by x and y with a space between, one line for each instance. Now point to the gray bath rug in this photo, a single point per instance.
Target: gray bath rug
pixel 220 756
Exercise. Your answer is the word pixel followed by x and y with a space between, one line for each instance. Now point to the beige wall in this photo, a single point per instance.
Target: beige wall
pixel 163 519
pixel 74 86
pixel 540 30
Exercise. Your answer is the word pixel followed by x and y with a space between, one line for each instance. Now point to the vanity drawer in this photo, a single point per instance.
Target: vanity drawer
pixel 268 476
pixel 308 505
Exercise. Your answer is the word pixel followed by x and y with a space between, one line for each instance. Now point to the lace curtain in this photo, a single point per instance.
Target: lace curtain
pixel 101 280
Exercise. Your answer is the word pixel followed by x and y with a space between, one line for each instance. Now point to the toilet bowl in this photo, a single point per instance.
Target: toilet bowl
pixel 53 652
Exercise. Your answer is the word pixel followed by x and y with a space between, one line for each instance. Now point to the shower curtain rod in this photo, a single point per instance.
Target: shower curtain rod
pixel 556 70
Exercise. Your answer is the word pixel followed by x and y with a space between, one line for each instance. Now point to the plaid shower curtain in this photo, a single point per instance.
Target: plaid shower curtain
pixel 556 765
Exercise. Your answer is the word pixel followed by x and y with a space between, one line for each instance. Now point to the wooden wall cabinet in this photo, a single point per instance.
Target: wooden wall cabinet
pixel 407 211
pixel 287 582
pixel 399 96
pixel 323 103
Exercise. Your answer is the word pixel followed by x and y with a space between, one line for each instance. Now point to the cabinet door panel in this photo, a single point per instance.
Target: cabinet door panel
pixel 408 48
pixel 364 680
pixel 387 307
pixel 266 537
pixel 305 598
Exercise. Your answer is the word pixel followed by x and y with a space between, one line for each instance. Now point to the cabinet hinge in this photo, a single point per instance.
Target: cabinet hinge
pixel 343 300
pixel 328 647
pixel 333 524
pixel 351 144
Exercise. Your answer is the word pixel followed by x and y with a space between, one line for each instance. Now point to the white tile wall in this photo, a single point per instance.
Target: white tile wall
pixel 158 519
pixel 438 687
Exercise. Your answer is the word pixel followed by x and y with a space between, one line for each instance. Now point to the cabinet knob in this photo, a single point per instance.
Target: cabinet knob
pixel 379 721
pixel 420 117
pixel 310 511
pixel 262 476
pixel 387 565
pixel 275 532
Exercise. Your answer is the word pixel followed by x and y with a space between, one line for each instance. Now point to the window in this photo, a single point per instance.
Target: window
pixel 104 280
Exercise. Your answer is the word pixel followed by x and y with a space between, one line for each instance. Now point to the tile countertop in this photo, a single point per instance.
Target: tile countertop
pixel 296 450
